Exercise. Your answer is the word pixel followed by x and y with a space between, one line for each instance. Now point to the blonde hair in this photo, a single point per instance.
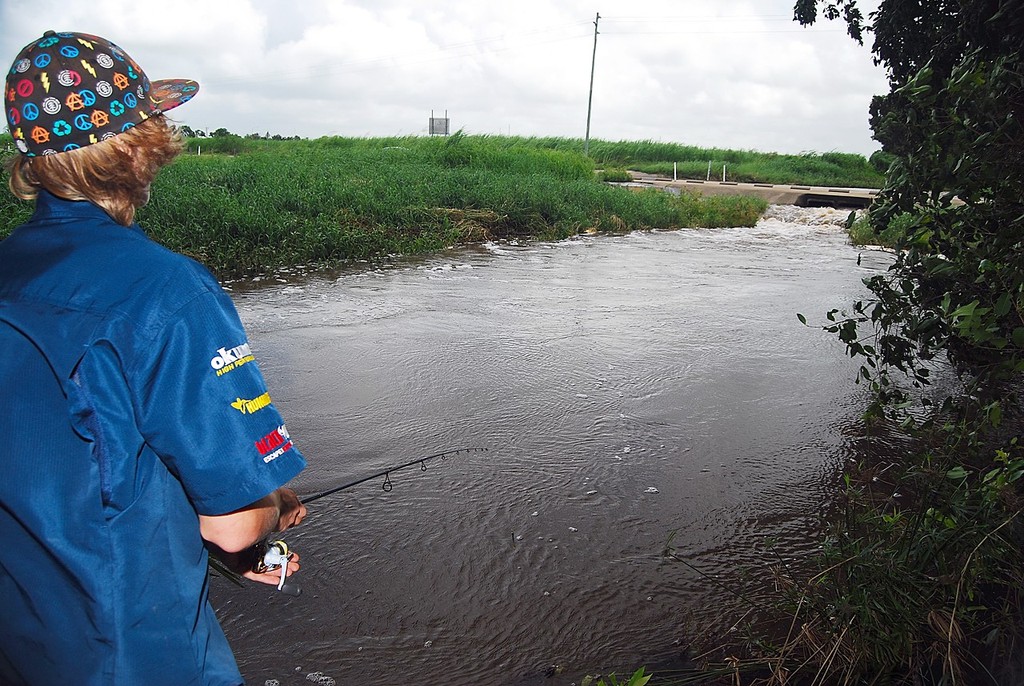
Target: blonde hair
pixel 114 174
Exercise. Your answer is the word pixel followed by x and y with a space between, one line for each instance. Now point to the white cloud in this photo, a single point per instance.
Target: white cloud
pixel 723 74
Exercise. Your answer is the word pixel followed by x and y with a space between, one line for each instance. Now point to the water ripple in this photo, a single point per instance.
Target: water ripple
pixel 636 393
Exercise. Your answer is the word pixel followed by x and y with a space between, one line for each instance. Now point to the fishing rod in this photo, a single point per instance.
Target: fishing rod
pixel 386 473
pixel 272 555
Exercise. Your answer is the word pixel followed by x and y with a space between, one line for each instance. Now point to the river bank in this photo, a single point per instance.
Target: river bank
pixel 270 204
pixel 245 207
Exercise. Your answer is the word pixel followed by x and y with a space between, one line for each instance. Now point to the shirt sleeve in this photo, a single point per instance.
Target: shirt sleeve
pixel 204 408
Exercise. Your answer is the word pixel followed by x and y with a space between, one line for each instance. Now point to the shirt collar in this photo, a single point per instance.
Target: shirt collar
pixel 49 207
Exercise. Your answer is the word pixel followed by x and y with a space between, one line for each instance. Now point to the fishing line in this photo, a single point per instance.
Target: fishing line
pixel 386 473
pixel 669 551
pixel 273 555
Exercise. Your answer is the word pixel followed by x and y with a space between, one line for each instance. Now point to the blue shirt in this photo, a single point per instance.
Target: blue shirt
pixel 131 404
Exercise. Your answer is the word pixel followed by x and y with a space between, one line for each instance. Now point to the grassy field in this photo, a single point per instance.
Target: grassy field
pixel 690 162
pixel 247 206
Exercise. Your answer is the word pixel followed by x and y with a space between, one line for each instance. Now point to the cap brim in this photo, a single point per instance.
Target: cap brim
pixel 166 94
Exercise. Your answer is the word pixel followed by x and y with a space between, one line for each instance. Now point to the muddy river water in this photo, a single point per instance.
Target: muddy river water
pixel 628 389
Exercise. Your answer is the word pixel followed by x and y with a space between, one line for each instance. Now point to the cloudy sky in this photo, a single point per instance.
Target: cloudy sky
pixel 711 73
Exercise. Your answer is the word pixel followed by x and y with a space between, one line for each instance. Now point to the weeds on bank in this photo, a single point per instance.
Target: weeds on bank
pixel 920 580
pixel 863 233
pixel 309 202
pixel 614 175
pixel 245 205
pixel 638 678
pixel 693 162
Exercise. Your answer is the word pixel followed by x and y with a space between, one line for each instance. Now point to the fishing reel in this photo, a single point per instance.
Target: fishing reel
pixel 271 555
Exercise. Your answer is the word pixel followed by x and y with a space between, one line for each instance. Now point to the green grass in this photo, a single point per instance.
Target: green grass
pixel 248 206
pixel 687 161
pixel 863 233
pixel 691 162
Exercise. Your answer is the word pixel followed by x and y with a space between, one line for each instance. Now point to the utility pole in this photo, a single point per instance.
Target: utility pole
pixel 590 97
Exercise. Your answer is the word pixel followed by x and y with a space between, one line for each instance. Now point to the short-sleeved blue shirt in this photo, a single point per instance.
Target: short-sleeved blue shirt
pixel 131 403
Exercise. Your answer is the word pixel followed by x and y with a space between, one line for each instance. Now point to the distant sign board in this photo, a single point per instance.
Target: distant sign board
pixel 439 126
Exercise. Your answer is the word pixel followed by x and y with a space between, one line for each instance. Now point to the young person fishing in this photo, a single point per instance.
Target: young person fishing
pixel 138 431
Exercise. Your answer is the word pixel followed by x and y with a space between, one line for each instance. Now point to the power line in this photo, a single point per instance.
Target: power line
pixel 724 31
pixel 729 24
pixel 441 53
pixel 621 27
pixel 706 17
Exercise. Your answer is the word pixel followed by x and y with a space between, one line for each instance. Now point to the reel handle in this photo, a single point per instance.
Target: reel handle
pixel 271 555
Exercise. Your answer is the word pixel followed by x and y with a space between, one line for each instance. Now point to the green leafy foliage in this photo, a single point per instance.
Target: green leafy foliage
pixel 953 208
pixel 806 12
pixel 638 678
pixel 920 581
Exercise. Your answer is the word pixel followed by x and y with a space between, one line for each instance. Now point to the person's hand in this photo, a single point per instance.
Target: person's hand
pixel 273 577
pixel 281 506
pixel 292 510
pixel 238 530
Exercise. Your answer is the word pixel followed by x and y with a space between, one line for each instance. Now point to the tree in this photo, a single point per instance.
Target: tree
pixel 952 127
pixel 806 12
pixel 942 572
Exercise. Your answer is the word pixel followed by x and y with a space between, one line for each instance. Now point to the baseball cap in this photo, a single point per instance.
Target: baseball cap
pixel 68 90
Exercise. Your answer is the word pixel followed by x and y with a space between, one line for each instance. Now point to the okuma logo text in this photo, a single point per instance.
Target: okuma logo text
pixel 229 359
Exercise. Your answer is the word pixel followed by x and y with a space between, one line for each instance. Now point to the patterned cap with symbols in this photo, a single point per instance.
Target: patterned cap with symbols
pixel 68 90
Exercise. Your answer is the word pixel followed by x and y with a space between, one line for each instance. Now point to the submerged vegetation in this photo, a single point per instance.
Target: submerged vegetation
pixel 863 232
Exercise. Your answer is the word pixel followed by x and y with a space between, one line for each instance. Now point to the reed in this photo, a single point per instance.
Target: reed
pixel 249 206
pixel 693 162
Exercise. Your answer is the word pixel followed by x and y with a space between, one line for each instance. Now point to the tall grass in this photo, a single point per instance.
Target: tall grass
pixel 256 205
pixel 688 161
pixel 919 583
pixel 692 162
